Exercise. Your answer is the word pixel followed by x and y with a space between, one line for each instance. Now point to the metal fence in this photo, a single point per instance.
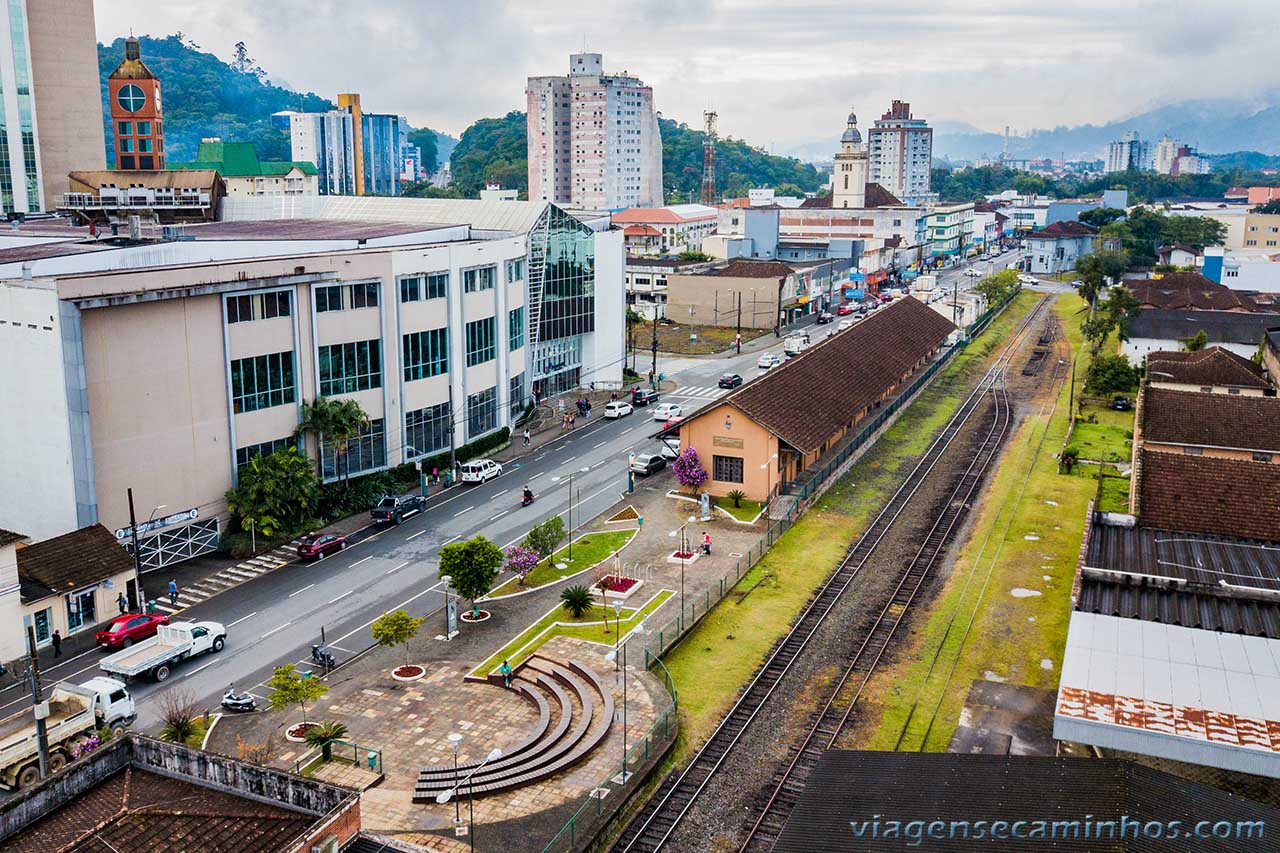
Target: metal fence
pixel 361 756
pixel 585 823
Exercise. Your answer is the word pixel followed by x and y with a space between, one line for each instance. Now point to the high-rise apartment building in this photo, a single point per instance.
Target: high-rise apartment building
pixel 900 150
pixel 593 139
pixel 381 140
pixel 1130 152
pixel 328 140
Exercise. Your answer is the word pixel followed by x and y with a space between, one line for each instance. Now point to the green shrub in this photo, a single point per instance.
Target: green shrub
pixel 576 599
pixel 1111 373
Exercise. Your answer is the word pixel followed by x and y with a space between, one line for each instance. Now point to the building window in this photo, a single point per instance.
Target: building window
pixel 482 413
pixel 416 288
pixel 258 306
pixel 426 354
pixel 144 128
pixel 262 381
pixel 426 430
pixel 336 297
pixel 364 295
pixel 515 269
pixel 475 280
pixel 1261 457
pixel 126 145
pixel 144 146
pixel 1193 451
pixel 365 452
pixel 42 621
pixel 329 298
pixel 82 609
pixel 244 455
pixel 124 128
pixel 346 368
pixel 515 328
pixel 515 397
pixel 126 163
pixel 481 341
pixel 726 469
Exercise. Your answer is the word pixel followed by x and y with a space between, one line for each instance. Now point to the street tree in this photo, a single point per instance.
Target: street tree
pixel 1272 207
pixel 275 493
pixel 396 628
pixel 1095 269
pixel 545 537
pixel 288 687
pixel 522 560
pixel 1110 373
pixel 336 421
pixel 997 287
pixel 1101 216
pixel 689 470
pixel 473 565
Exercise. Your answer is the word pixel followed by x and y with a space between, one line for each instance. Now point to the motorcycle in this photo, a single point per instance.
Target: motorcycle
pixel 526 498
pixel 321 656
pixel 238 702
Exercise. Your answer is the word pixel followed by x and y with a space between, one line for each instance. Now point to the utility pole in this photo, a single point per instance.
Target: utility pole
pixel 453 450
pixel 739 338
pixel 137 556
pixel 653 371
pixel 693 336
pixel 37 702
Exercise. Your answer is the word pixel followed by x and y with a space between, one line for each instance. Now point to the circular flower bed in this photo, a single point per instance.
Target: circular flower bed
pixel 408 672
pixel 467 616
pixel 613 583
pixel 297 733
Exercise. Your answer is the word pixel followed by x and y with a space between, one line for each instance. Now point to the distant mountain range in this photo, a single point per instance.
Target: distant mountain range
pixel 1214 126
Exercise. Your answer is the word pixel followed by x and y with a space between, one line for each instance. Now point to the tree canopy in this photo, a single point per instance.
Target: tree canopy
pixel 288 687
pixel 396 628
pixel 473 565
pixel 493 150
pixel 974 184
pixel 276 493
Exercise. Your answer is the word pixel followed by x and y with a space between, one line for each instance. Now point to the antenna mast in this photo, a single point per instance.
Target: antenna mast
pixel 708 195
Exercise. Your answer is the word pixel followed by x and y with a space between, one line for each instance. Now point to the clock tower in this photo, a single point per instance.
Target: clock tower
pixel 136 112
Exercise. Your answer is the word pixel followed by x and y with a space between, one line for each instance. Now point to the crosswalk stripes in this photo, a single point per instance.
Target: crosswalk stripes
pixel 709 393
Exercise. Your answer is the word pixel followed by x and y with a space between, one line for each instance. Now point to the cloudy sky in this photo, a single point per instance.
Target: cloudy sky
pixel 779 73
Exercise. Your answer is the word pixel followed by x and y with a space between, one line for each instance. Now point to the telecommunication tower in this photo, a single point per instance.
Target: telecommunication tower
pixel 708 194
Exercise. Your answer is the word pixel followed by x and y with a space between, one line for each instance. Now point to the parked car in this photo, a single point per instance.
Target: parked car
pixel 669 447
pixel 844 324
pixel 1027 279
pixel 648 463
pixel 730 380
pixel 643 396
pixel 844 310
pixel 768 360
pixel 617 409
pixel 397 508
pixel 973 273
pixel 1077 284
pixel 667 411
pixel 128 629
pixel 317 546
pixel 1122 404
pixel 480 471
pixel 825 317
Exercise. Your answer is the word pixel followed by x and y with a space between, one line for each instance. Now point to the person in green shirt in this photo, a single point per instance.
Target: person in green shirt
pixel 505 669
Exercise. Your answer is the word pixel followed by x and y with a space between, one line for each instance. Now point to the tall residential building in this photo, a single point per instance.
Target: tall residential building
pixel 900 148
pixel 328 140
pixel 381 137
pixel 1166 155
pixel 593 139
pixel 137 112
pixel 849 176
pixel 1130 152
pixel 64 73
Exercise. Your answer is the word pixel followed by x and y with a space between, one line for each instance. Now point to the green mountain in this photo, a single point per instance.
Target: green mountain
pixel 493 150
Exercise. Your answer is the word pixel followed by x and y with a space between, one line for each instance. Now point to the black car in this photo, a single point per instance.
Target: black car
pixel 825 317
pixel 643 396
pixel 1122 404
pixel 397 509
pixel 730 380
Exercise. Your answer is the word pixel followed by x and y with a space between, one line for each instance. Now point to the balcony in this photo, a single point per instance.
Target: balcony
pixel 137 199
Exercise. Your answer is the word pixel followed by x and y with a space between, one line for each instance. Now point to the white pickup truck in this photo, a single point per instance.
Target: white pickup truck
pixel 174 642
pixel 76 711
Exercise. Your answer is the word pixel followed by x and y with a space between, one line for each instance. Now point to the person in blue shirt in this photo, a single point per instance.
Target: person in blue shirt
pixel 505 669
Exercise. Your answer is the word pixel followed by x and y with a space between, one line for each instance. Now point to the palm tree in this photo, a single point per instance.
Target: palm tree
pixel 339 421
pixel 322 735
pixel 577 600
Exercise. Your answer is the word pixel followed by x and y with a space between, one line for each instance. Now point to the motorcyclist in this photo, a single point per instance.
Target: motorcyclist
pixel 528 494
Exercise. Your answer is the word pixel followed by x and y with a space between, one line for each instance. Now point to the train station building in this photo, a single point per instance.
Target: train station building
pixel 771 430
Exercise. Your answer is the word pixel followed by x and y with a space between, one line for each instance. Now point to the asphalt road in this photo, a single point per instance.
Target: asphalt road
pixel 275 618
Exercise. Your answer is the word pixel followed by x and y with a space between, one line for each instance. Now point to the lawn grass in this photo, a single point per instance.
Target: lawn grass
pixel 747 512
pixel 588 626
pixel 1102 443
pixel 1025 537
pixel 675 338
pixel 588 549
pixel 722 651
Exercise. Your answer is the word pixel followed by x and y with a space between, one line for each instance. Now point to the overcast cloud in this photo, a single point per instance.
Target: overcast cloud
pixel 781 73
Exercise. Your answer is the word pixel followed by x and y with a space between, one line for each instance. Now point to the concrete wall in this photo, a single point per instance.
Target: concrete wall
pixel 1212 452
pixel 705 292
pixel 1136 349
pixel 1208 389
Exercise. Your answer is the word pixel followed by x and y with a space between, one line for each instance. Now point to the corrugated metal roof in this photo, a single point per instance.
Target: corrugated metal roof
pixel 515 217
pixel 1175 606
pixel 1199 559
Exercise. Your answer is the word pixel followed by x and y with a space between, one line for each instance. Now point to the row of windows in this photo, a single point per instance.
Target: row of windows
pixel 515 328
pixel 482 343
pixel 417 288
pixel 340 297
pixel 478 279
pixel 365 452
pixel 126 128
pixel 244 455
pixel 426 430
pixel 258 306
pixel 350 367
pixel 425 354
pixel 482 412
pixel 262 381
pixel 145 146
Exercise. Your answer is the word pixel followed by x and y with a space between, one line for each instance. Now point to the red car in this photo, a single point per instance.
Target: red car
pixel 128 629
pixel 845 310
pixel 317 546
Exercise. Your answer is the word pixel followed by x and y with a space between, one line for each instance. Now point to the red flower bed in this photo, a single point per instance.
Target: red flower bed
pixel 299 730
pixel 408 670
pixel 683 555
pixel 616 584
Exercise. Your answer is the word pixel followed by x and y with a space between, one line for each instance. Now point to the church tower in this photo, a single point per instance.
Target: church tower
pixel 849 178
pixel 136 112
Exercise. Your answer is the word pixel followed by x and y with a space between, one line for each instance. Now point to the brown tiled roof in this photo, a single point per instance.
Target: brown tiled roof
pixel 1205 494
pixel 745 268
pixel 817 201
pixel 74 559
pixel 1210 366
pixel 811 397
pixel 8 537
pixel 1182 278
pixel 1211 420
pixel 1063 228
pixel 1170 247
pixel 1153 293
pixel 143 812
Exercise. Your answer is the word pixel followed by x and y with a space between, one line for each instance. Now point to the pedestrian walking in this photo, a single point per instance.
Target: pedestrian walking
pixel 56 639
pixel 435 475
pixel 572 421
pixel 706 543
pixel 122 603
pixel 526 437
pixel 173 591
pixel 505 669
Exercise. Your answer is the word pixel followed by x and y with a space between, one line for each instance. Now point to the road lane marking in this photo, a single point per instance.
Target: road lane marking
pixel 404 603
pixel 300 591
pixel 501 493
pixel 598 446
pixel 274 630
pixel 416 535
pixel 450 539
pixel 500 515
pixel 468 509
pixel 339 598
pixel 389 571
pixel 358 562
pixel 601 462
pixel 199 669
pixel 242 618
pixel 536 476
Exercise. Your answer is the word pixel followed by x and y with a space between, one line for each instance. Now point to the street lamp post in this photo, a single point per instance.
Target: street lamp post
pixel 638 631
pixel 448 582
pixel 444 796
pixel 767 467
pixel 455 739
pixel 684 549
pixel 617 633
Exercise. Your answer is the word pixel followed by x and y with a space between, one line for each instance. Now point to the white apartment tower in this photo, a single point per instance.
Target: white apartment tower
pixel 593 139
pixel 900 148
pixel 1130 152
pixel 849 177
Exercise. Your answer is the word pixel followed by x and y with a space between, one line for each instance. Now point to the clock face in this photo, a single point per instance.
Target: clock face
pixel 131 98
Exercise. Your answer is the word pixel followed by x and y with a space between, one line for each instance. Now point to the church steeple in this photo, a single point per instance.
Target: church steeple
pixel 849 175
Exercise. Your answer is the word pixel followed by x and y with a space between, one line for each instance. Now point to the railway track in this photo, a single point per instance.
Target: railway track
pixel 652 827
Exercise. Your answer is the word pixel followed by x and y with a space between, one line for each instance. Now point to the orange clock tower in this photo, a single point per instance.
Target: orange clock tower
pixel 137 115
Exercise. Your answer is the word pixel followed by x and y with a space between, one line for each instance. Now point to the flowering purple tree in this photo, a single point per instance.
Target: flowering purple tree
pixel 688 468
pixel 522 560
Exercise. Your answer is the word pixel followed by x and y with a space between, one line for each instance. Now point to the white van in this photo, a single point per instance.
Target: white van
pixel 480 471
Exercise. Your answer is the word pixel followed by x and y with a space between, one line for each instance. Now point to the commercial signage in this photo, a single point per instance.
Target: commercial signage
pixel 853 293
pixel 156 523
